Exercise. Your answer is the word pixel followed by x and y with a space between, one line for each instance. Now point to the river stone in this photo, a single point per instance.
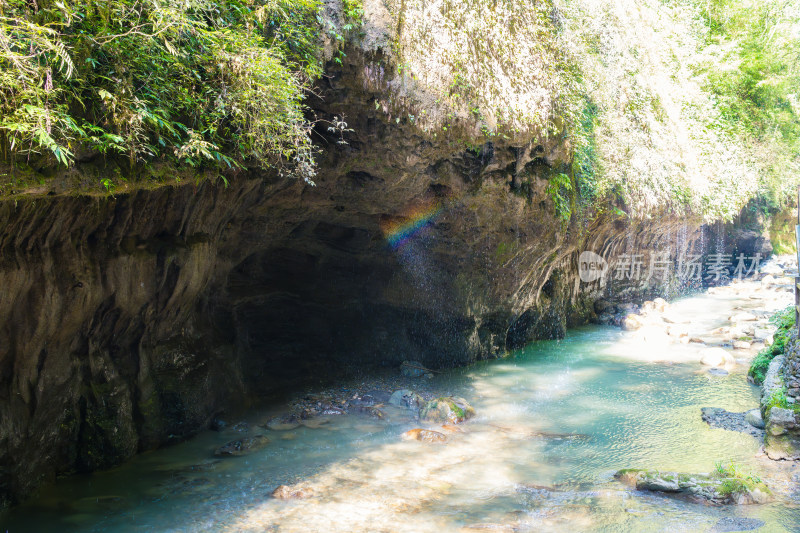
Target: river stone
pixel 425 435
pixel 743 317
pixel 716 357
pixel 717 371
pixel 772 269
pixel 661 304
pixel 631 322
pixel 763 333
pixel 242 446
pixel 406 398
pixel 315 423
pixel 741 345
pixel 753 417
pixel 283 423
pixel 450 410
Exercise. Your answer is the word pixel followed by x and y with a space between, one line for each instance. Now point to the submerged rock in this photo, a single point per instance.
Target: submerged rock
pixel 735 523
pixel 406 398
pixel 242 446
pixel 374 411
pixel 315 423
pixel 718 371
pixel 283 423
pixel 450 410
pixel 425 435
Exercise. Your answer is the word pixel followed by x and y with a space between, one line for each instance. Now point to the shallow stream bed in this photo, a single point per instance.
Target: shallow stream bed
pixel 555 421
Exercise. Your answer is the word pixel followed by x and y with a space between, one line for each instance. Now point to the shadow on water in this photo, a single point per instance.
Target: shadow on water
pixel 555 421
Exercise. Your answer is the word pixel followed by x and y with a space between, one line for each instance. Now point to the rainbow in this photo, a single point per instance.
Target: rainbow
pixel 399 229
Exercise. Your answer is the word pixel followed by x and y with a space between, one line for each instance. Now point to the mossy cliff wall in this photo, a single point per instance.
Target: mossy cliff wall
pixel 127 322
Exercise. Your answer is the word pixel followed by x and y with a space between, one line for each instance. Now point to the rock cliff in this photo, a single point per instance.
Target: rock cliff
pixel 127 322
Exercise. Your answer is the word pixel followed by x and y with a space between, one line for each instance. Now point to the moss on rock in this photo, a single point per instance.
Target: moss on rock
pixel 449 410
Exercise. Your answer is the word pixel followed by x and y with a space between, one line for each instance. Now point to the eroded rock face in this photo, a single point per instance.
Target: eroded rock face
pixel 102 349
pixel 782 425
pixel 782 438
pixel 130 322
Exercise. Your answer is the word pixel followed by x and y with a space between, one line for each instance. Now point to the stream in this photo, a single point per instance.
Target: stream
pixel 554 421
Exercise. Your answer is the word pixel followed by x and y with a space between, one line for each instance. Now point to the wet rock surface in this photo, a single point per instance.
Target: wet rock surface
pixel 702 487
pixel 446 410
pixel 722 419
pixel 425 435
pixel 406 398
pixel 753 417
pixel 782 436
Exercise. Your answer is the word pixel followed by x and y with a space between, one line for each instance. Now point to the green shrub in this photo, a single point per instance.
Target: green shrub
pixel 785 320
pixel 201 83
pixel 760 364
pixel 736 481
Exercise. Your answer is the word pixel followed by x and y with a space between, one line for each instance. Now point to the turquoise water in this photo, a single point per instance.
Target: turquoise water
pixel 563 415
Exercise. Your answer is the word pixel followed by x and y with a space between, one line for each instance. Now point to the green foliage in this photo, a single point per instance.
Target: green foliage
pixel 200 83
pixel 353 13
pixel 785 320
pixel 760 364
pixel 778 398
pixel 585 159
pixel 736 481
pixel 561 189
pixel 753 74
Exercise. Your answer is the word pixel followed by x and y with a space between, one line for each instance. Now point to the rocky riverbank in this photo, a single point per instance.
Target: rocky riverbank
pixel 779 406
